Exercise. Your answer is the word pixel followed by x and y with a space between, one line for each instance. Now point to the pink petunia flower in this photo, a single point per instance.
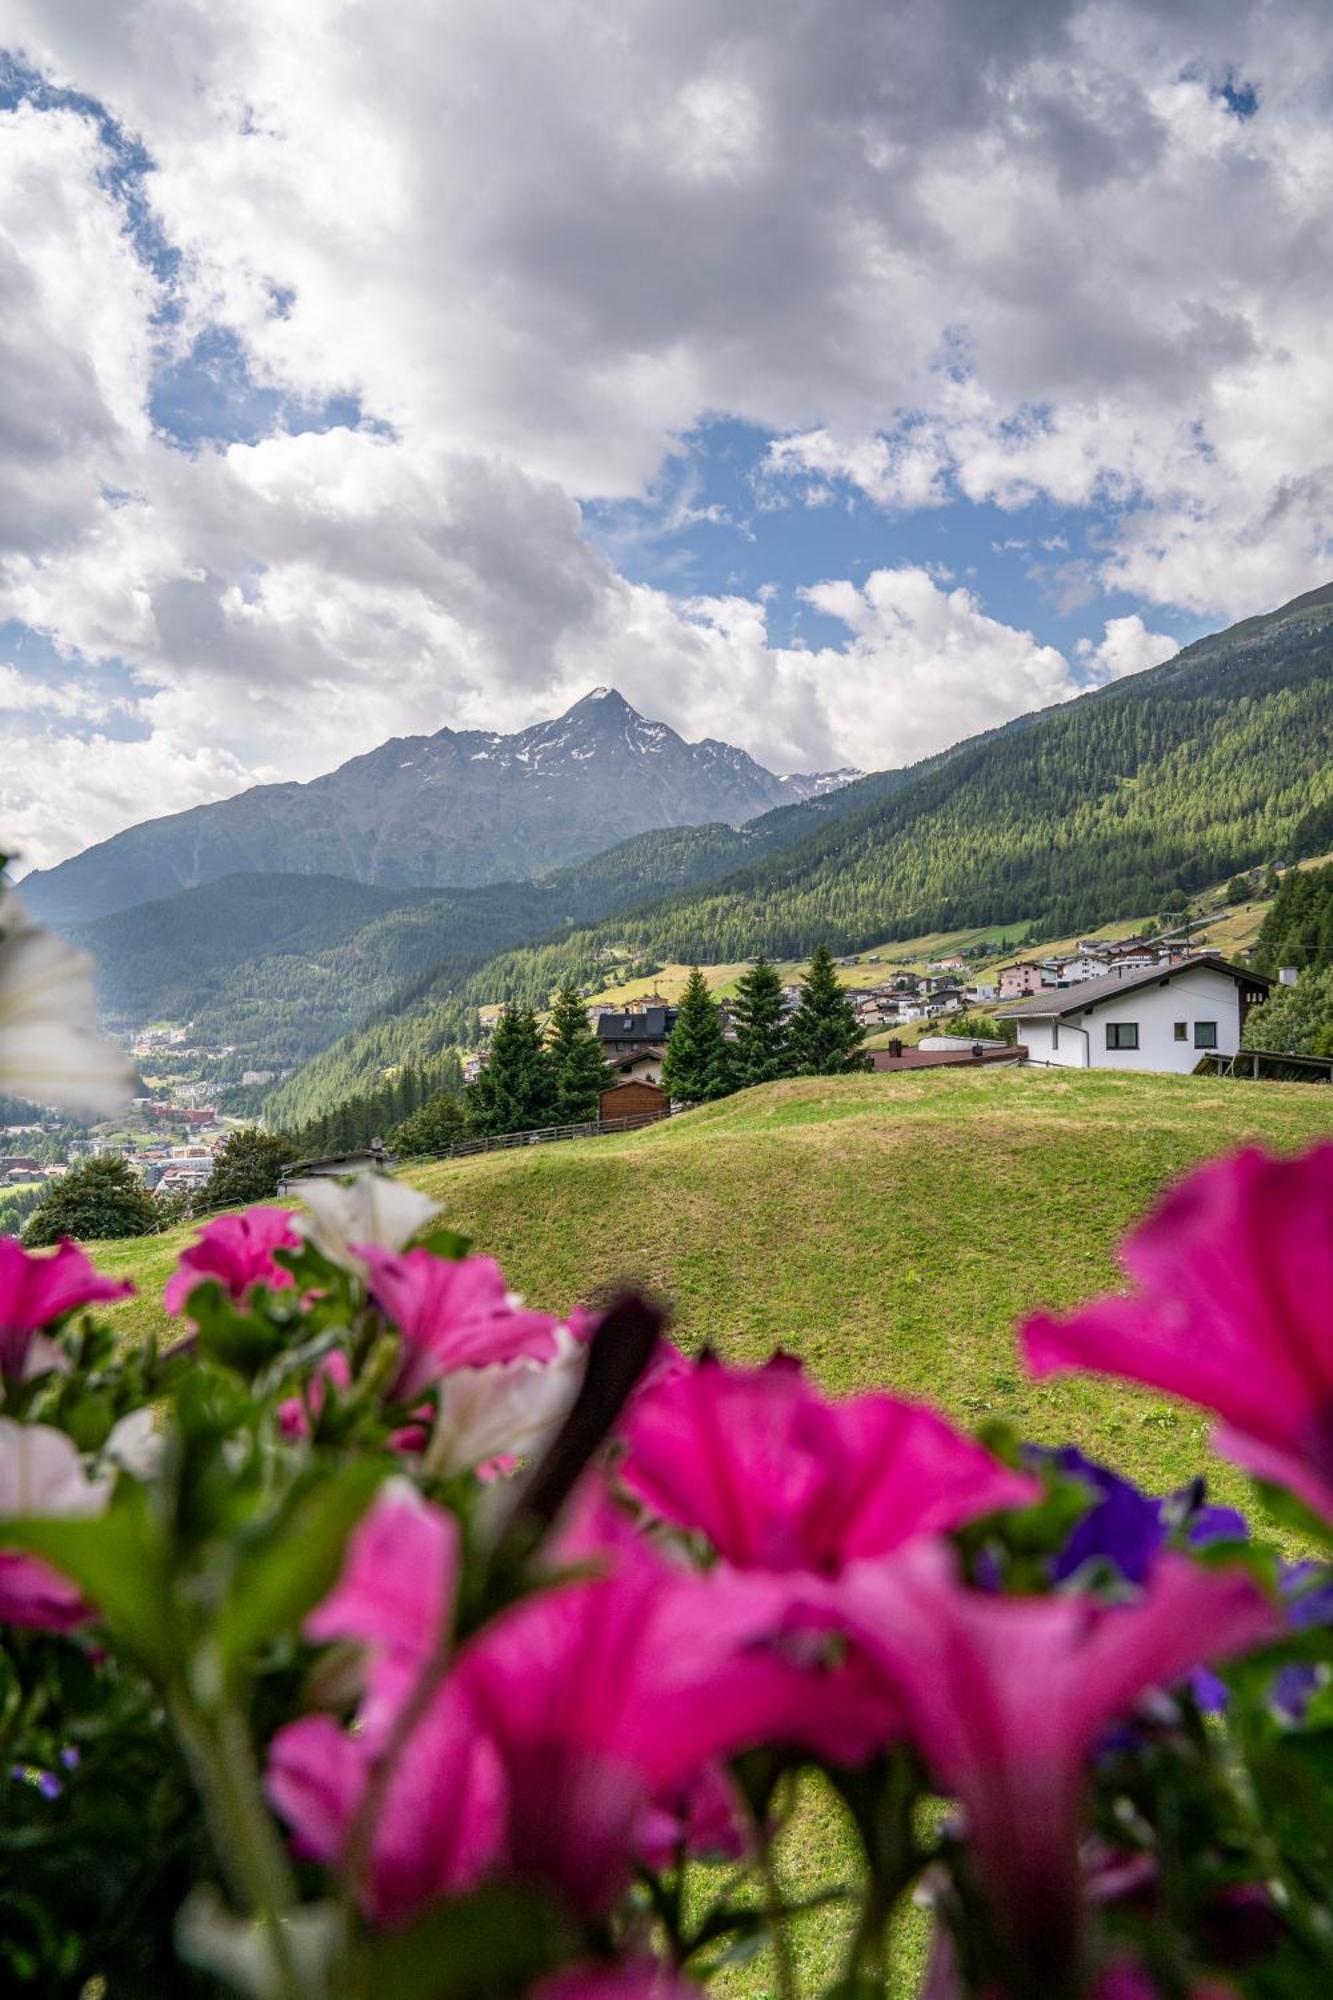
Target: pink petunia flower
pixel 439 1826
pixel 297 1415
pixel 1233 1310
pixel 452 1313
pixel 562 1726
pixel 394 1598
pixel 1005 1698
pixel 703 1817
pixel 41 1474
pixel 604 1697
pixel 37 1291
pixel 237 1252
pixel 779 1478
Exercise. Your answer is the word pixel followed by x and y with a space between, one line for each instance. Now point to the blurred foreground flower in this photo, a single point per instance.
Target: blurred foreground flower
pixel 50 1051
pixel 38 1292
pixel 236 1252
pixel 41 1474
pixel 1233 1310
pixel 342 1216
pixel 1005 1698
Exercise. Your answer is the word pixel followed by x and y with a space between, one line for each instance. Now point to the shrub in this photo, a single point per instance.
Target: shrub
pixel 99 1199
pixel 247 1167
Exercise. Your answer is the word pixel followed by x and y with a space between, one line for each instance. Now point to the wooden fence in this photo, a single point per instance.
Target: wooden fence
pixel 546 1135
pixel 1269 1065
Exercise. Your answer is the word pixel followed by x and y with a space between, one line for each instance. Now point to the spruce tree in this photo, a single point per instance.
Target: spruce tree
pixel 697 1068
pixel 580 1069
pixel 516 1090
pixel 761 1052
pixel 826 1036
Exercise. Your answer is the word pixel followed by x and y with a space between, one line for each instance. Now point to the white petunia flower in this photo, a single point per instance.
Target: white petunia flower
pixel 50 1051
pixel 512 1407
pixel 137 1444
pixel 41 1473
pixel 370 1209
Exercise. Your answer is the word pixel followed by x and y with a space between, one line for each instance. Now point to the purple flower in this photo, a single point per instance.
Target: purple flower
pixel 1309 1604
pixel 1128 1528
pixel 45 1782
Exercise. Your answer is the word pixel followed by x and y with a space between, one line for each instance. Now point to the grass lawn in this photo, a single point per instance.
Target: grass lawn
pixel 890 1230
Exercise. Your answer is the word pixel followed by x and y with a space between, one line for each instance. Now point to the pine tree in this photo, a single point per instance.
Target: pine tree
pixel 826 1036
pixel 697 1068
pixel 761 1052
pixel 581 1070
pixel 516 1091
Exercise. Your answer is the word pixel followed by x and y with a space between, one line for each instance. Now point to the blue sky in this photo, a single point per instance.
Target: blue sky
pixel 716 523
pixel 836 382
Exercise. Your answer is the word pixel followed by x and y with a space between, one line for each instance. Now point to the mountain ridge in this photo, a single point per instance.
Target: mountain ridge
pixel 279 965
pixel 456 809
pixel 1092 809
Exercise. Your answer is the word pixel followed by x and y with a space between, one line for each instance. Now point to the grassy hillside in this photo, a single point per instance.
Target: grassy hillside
pixel 890 1230
pixel 1096 810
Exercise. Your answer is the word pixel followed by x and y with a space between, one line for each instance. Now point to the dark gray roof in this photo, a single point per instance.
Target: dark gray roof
pixel 1064 1000
pixel 652 1024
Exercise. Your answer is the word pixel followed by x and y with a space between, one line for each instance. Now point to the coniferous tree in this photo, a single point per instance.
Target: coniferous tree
pixel 516 1090
pixel 697 1068
pixel 761 1052
pixel 580 1069
pixel 826 1036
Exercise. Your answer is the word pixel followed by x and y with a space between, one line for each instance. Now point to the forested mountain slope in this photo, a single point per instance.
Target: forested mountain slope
pixel 1218 760
pixel 282 964
pixel 461 807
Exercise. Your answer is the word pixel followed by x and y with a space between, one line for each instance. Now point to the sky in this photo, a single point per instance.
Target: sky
pixel 835 377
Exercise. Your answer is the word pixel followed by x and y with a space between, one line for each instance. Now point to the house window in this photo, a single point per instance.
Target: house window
pixel 1182 1031
pixel 1205 1034
pixel 1055 1034
pixel 1122 1034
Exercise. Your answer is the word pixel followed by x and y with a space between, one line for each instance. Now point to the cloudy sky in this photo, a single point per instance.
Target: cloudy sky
pixel 838 377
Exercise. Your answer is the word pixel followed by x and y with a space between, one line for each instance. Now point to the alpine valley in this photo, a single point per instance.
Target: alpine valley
pixel 350 927
pixel 1100 808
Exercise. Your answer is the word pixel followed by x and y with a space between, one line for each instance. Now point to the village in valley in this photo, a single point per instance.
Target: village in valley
pixel 1161 998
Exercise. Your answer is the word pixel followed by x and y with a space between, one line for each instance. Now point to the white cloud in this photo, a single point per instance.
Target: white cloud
pixel 1127 648
pixel 538 246
pixel 922 665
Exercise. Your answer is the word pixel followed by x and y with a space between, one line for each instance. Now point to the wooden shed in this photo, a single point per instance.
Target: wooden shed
pixel 632 1100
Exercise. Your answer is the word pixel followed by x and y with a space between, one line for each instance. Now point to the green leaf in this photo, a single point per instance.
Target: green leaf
pixel 486 1947
pixel 274 1587
pixel 244 1341
pixel 1289 1512
pixel 445 1243
pixel 120 1562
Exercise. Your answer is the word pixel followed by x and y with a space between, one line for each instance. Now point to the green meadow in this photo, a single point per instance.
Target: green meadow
pixel 890 1230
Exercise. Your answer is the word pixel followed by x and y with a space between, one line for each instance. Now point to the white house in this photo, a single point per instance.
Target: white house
pixel 1088 965
pixel 1165 1018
